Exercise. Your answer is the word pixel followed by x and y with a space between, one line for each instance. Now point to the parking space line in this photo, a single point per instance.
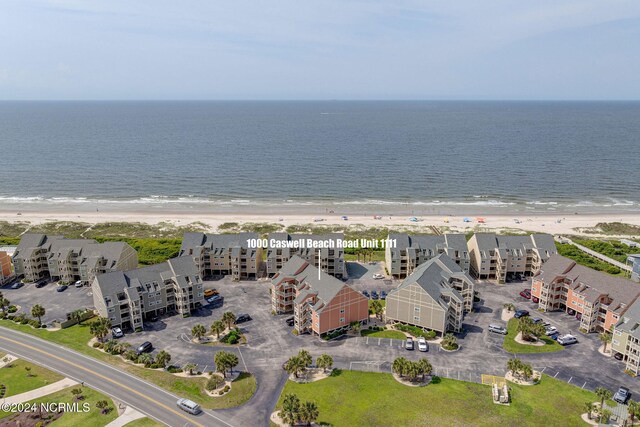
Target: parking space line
pixel 585 383
pixel 379 341
pixel 390 343
pixel 569 380
pixel 556 374
pixel 367 340
pixel 543 369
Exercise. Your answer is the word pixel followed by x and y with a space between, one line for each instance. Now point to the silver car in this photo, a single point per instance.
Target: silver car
pixel 189 406
pixel 498 329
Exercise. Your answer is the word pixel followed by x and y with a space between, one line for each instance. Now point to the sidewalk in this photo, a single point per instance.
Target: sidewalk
pixel 39 392
pixel 127 416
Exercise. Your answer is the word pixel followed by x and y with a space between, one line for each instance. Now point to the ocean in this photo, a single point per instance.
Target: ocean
pixel 365 156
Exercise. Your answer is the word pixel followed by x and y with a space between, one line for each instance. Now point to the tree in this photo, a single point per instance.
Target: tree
pixel 294 366
pixel 217 328
pixel 163 358
pixel 509 306
pixel 449 342
pixel 309 412
pixel 28 369
pixel 603 394
pixel 377 308
pixel 588 408
pixel 100 328
pixel 290 409
pixel 228 318
pixel 189 367
pixel 305 357
pixel 77 315
pixel 605 337
pixel 634 411
pixel 38 311
pixel 425 367
pixel 325 362
pixel 520 369
pixel 103 405
pixel 225 360
pixel 4 304
pixel 146 359
pixel 530 331
pixel 198 331
pixel 355 326
pixel 77 393
pixel 399 366
pixel 605 414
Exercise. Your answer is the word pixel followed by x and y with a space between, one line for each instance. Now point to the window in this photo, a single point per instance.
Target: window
pixel 342 311
pixel 416 318
pixel 417 309
pixel 616 342
pixel 342 320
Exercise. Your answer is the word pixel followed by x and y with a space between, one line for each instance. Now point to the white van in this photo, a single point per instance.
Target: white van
pixel 189 406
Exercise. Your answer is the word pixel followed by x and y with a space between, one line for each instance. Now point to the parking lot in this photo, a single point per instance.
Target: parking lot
pixel 56 304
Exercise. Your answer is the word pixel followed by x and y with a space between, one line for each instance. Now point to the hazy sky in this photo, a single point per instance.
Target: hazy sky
pixel 323 49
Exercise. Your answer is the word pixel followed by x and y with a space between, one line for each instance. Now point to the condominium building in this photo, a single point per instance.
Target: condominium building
pixel 130 297
pixel 500 258
pixel 435 296
pixel 41 256
pixel 320 303
pixel 6 269
pixel 223 254
pixel 411 251
pixel 597 299
pixel 626 338
pixel 331 260
pixel 634 261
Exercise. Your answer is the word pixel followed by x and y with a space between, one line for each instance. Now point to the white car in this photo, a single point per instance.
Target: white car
pixel 79 284
pixel 117 332
pixel 378 276
pixel 567 339
pixel 551 330
pixel 422 344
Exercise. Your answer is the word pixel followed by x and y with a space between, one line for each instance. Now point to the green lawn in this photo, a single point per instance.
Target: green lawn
pixel 16 380
pixel 396 335
pixel 582 258
pixel 367 398
pixel 144 422
pixel 241 391
pixel 513 347
pixel 78 419
pixel 384 302
pixel 76 338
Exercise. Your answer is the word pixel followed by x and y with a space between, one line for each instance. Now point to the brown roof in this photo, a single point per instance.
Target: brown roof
pixel 591 283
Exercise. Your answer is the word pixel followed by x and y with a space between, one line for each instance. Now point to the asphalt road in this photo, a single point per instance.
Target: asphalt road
pixel 135 392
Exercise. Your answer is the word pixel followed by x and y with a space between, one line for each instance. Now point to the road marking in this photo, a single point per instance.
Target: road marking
pixel 242 357
pixel 390 343
pixel 181 415
pixel 585 383
pixel 367 340
pixel 543 369
pixel 379 341
pixel 556 374
pixel 569 380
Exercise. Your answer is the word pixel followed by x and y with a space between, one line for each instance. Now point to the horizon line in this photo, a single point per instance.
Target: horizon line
pixel 324 100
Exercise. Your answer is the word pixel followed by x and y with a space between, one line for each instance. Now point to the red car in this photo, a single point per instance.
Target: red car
pixel 526 294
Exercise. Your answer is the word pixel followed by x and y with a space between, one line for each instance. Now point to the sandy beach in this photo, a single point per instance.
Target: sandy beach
pixel 549 223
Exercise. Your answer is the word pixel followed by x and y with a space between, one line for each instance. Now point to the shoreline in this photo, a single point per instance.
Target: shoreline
pixel 552 223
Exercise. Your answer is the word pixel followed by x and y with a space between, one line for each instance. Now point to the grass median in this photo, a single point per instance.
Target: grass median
pixel 512 346
pixel 77 337
pixel 367 398
pixel 395 335
pixel 20 376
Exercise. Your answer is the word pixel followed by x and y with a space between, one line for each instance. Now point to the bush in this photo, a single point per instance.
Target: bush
pixel 3 315
pixel 214 382
pixel 12 309
pixel 415 331
pixel 34 323
pixel 226 388
pixel 174 370
pixel 430 335
pixel 232 337
pixel 155 366
pixel 24 321
pixel 138 329
pixel 97 345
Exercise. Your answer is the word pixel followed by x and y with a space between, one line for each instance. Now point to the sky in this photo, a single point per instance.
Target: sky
pixel 329 49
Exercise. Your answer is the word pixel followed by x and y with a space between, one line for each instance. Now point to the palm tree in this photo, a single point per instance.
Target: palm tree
pixel 103 405
pixel 100 328
pixel 605 337
pixel 309 412
pixel 324 361
pixel 77 393
pixel 634 410
pixel 38 311
pixel 198 331
pixel 229 318
pixel 225 360
pixel 146 359
pixel 290 409
pixel 449 342
pixel 77 315
pixel 603 394
pixel 509 306
pixel 425 367
pixel 189 367
pixel 4 304
pixel 514 365
pixel 294 365
pixel 399 366
pixel 588 408
pixel 305 357
pixel 605 414
pixel 217 328
pixel 377 308
pixel 163 358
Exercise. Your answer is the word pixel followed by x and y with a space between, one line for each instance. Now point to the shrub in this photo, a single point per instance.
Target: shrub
pixel 174 370
pixel 24 321
pixel 12 309
pixel 97 345
pixel 226 388
pixel 232 337
pixel 138 329
pixel 430 335
pixel 3 315
pixel 34 323
pixel 216 381
pixel 221 392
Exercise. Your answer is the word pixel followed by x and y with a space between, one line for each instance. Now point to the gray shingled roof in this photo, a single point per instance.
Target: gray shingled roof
pixel 215 241
pixel 630 321
pixel 425 242
pixel 434 276
pixel 591 283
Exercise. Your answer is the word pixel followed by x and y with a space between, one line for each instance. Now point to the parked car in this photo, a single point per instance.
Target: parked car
pixel 551 330
pixel 378 276
pixel 383 295
pixel 41 283
pixel 520 313
pixel 210 292
pixel 145 347
pixel 152 318
pixel 117 332
pixel 422 344
pixel 189 406
pixel 242 318
pixel 535 299
pixel 79 284
pixel 374 295
pixel 216 301
pixel 497 329
pixel 526 294
pixel 61 288
pixel 618 356
pixel 546 323
pixel 366 294
pixel 554 336
pixel 622 395
pixel 16 285
pixel 290 321
pixel 536 320
pixel 567 339
pixel 408 345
